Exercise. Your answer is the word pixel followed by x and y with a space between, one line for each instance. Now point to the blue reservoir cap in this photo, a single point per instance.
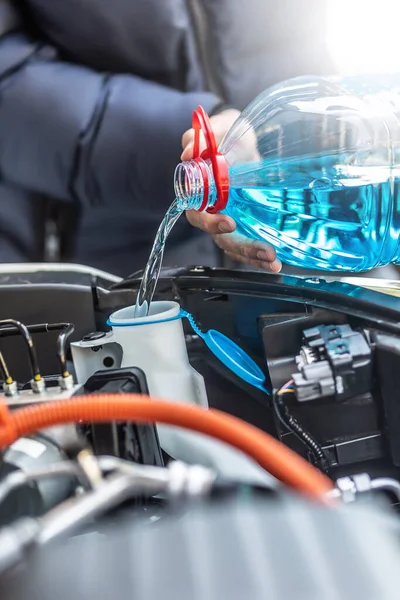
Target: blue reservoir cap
pixel 231 355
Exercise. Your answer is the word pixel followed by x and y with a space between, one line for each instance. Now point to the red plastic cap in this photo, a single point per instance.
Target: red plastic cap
pixel 201 123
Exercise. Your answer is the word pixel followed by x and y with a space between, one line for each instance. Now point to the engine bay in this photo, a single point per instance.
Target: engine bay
pixel 215 486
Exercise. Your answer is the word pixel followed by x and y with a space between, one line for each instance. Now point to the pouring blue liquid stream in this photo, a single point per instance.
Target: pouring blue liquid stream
pixel 153 266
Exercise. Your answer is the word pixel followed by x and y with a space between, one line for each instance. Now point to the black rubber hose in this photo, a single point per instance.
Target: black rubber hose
pixel 28 339
pixel 291 424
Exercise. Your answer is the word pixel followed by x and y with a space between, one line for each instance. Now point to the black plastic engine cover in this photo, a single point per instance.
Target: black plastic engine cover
pixel 238 551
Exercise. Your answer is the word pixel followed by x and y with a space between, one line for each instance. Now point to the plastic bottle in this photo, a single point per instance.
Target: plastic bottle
pixel 311 166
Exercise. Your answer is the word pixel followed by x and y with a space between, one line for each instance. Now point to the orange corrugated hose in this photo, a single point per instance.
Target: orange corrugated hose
pixel 276 458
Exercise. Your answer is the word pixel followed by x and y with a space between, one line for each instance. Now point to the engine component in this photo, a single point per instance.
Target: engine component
pixel 348 488
pixel 11 327
pixel 157 344
pixel 33 453
pixel 244 549
pixel 387 351
pixel 331 404
pixel 130 441
pixel 125 482
pixel 349 412
pixel 271 455
pixel 333 361
pixel 37 382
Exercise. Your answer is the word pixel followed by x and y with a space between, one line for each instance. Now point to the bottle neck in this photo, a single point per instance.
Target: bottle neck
pixel 195 185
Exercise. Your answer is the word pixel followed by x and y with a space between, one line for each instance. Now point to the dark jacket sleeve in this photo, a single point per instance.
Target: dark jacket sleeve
pixel 71 133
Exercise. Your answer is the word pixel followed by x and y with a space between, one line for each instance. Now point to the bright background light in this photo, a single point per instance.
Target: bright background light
pixel 364 35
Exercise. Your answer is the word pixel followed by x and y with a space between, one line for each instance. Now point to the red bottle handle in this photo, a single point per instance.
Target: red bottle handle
pixel 201 123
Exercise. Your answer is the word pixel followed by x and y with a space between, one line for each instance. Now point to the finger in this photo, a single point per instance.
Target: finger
pixel 246 248
pixel 187 153
pixel 213 224
pixel 187 138
pixel 219 129
pixel 188 144
pixel 273 267
pixel 221 123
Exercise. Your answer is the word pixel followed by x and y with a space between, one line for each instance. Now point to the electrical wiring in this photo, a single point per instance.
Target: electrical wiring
pixel 23 330
pixel 286 388
pixel 291 423
pixel 271 454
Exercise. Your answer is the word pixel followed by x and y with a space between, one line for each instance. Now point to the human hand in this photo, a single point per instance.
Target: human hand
pixel 239 248
pixel 221 123
pixel 221 227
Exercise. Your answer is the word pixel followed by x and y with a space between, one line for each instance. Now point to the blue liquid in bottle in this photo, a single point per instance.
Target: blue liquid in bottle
pixel 319 217
pixel 314 169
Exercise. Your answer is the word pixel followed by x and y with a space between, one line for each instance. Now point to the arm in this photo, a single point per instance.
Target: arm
pixel 73 134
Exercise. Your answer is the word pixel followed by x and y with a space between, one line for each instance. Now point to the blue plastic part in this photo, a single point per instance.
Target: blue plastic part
pixel 135 323
pixel 231 355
